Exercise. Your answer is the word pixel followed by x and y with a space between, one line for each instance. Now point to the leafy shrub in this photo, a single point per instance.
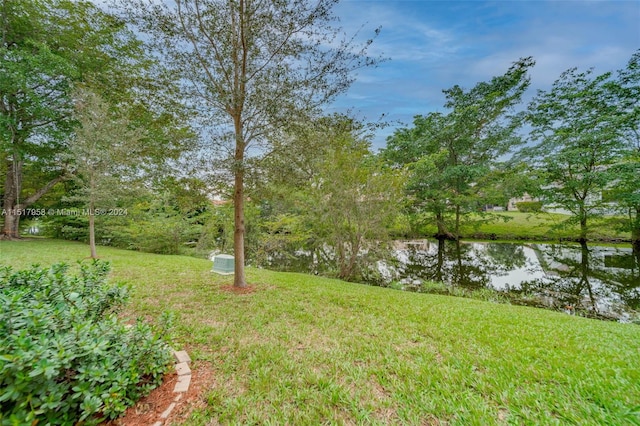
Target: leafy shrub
pixel 64 355
pixel 529 206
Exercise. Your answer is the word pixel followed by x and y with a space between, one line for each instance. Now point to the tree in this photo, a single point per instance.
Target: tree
pixel 351 201
pixel 578 127
pixel 323 194
pixel 251 67
pixel 47 46
pixel 31 96
pixel 626 186
pixel 452 157
pixel 104 151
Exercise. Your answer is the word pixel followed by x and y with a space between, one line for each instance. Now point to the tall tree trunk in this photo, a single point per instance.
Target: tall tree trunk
pixel 348 265
pixel 239 279
pixel 635 231
pixel 92 235
pixel 583 224
pixel 583 229
pixel 442 228
pixel 92 227
pixel 341 256
pixel 239 229
pixel 240 91
pixel 10 205
pixel 443 231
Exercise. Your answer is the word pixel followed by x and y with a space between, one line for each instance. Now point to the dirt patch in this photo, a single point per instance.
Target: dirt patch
pixel 147 411
pixel 202 380
pixel 239 290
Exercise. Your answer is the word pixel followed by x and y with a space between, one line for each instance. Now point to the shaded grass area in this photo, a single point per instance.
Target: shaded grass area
pixel 540 227
pixel 309 350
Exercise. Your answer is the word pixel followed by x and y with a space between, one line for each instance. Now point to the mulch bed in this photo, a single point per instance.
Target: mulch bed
pixel 147 411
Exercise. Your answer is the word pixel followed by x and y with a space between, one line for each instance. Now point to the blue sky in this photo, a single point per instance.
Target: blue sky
pixel 433 45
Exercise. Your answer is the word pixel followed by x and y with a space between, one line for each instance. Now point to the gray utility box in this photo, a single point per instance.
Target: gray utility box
pixel 223 264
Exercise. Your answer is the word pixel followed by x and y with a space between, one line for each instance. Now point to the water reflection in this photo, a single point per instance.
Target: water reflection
pixel 469 265
pixel 599 281
pixel 603 280
pixel 595 281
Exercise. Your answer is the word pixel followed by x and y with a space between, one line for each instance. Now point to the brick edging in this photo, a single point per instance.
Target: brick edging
pixel 182 386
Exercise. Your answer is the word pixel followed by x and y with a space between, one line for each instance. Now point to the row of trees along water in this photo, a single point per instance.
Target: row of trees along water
pixel 155 111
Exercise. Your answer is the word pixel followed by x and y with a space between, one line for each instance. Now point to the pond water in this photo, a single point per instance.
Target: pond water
pixel 595 280
pixel 602 280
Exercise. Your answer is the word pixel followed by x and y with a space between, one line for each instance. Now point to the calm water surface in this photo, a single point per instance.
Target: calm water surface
pixel 599 280
pixel 605 280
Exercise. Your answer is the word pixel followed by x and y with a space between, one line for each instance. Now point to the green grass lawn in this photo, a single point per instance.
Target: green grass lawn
pixel 304 350
pixel 543 226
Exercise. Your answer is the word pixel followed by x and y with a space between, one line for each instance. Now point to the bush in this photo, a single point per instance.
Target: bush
pixel 529 206
pixel 64 355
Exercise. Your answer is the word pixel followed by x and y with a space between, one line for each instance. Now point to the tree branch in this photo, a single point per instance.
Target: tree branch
pixel 39 193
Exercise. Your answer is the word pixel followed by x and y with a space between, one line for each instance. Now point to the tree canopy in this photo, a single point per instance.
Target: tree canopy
pixel 250 68
pixel 47 47
pixel 581 127
pixel 451 156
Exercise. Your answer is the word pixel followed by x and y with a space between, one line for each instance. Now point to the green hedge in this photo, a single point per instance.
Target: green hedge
pixel 65 357
pixel 529 206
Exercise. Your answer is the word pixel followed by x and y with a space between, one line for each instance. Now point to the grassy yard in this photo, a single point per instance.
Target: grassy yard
pixel 305 350
pixel 543 226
